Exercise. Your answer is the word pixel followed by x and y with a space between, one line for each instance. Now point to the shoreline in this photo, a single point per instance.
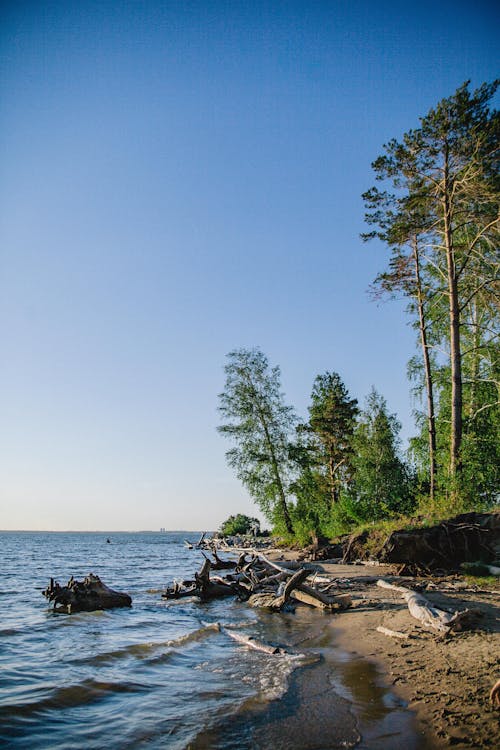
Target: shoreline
pixel 443 681
pixel 335 701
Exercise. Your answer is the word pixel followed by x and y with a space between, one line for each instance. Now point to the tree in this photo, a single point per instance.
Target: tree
pixel 381 482
pixel 332 416
pixel 239 524
pixel 260 425
pixel 400 226
pixel 445 173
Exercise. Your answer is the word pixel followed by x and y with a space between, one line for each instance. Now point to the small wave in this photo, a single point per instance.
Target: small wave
pixel 80 694
pixel 272 679
pixel 9 631
pixel 145 650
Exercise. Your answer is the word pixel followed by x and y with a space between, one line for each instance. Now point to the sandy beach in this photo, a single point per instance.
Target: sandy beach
pixel 444 680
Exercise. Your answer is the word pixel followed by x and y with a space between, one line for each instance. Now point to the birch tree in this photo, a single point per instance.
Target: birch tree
pixel 260 425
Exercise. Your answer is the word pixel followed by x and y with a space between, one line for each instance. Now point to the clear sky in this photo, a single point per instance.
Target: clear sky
pixel 179 179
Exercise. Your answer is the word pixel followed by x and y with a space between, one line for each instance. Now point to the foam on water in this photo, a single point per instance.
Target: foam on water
pixel 92 677
pixel 161 674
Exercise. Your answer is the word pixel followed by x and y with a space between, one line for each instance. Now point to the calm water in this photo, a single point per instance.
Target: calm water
pixel 158 675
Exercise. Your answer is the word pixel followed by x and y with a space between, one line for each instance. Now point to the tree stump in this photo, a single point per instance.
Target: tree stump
pixel 84 596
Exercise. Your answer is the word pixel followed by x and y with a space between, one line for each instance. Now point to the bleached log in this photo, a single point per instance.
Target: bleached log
pixel 432 617
pixel 252 643
pixel 313 598
pixel 495 694
pixel 274 565
pixel 392 633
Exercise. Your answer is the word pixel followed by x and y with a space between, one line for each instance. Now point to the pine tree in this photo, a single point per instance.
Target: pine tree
pixel 381 483
pixel 445 174
pixel 332 417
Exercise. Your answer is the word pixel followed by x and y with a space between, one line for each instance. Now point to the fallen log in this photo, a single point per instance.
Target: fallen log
pixel 421 609
pixel 275 601
pixel 270 564
pixel 203 587
pixel 220 564
pixel 208 589
pixel 84 596
pixel 315 598
pixel 495 694
pixel 392 633
pixel 252 643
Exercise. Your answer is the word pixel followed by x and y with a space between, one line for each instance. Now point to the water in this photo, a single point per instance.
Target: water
pixel 157 675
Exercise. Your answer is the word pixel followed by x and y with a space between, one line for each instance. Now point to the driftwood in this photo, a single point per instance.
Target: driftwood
pixel 495 694
pixel 392 633
pixel 252 643
pixel 260 581
pixel 316 598
pixel 202 586
pixel 219 564
pixel 276 601
pixel 429 616
pixel 197 545
pixel 84 596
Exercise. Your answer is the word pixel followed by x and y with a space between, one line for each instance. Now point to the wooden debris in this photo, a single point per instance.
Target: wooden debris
pixel 276 601
pixel 252 643
pixel 316 598
pixel 392 633
pixel 260 581
pixel 429 616
pixel 84 596
pixel 219 564
pixel 495 694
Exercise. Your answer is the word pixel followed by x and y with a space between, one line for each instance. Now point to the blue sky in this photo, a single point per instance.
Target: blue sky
pixel 179 179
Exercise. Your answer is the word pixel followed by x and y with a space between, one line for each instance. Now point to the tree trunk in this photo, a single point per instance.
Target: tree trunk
pixel 454 311
pixel 281 492
pixel 431 421
pixel 430 617
pixel 84 596
pixel 333 484
pixel 476 342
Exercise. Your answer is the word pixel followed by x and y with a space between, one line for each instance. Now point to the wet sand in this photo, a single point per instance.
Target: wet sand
pixel 444 681
pixel 339 701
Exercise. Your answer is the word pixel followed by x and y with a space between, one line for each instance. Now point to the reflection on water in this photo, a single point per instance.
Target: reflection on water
pixel 383 720
pixel 362 679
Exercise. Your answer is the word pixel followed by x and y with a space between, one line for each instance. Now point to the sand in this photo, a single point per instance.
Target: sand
pixel 444 680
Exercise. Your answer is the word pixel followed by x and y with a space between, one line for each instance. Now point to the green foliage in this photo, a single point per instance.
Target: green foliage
pixel 438 214
pixel 260 424
pixel 381 484
pixel 239 524
pixel 332 416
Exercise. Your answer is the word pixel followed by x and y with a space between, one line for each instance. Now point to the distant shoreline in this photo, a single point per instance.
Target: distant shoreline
pixel 101 531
